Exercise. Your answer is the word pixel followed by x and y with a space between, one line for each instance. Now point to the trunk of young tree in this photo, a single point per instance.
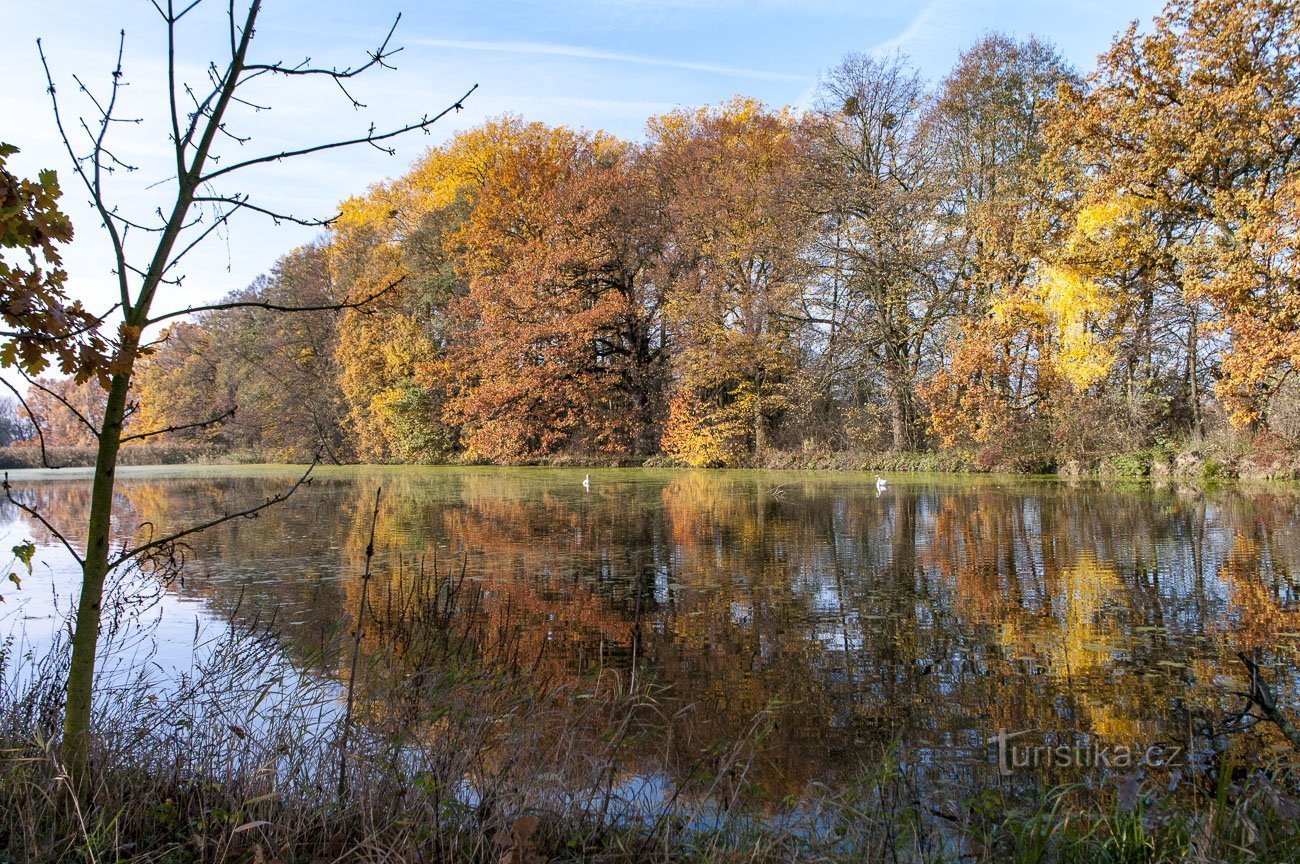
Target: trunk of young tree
pixel 94 572
pixel 95 567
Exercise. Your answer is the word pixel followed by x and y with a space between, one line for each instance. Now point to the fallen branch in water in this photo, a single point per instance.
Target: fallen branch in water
pixel 1262 696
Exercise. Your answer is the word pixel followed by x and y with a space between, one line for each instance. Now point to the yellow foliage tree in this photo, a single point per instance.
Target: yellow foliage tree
pixel 730 178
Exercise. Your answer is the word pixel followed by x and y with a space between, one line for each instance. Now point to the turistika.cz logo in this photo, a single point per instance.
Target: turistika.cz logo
pixel 1013 756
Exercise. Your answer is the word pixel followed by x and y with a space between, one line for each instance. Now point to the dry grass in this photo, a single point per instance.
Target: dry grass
pixel 462 753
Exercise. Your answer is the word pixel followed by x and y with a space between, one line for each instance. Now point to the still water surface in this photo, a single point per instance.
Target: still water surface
pixel 933 614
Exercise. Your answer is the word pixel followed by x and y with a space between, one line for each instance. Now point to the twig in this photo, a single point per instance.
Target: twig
pixel 212 421
pixel 35 514
pixel 279 307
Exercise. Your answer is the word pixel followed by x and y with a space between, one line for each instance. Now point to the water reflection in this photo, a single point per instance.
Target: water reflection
pixel 935 614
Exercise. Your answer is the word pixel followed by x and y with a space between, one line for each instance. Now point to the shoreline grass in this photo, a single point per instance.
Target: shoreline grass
pixel 461 753
pixel 1215 459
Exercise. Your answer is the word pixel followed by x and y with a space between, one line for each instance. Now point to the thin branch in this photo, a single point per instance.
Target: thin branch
pixel 175 118
pixel 78 165
pixel 377 57
pixel 31 415
pixel 35 514
pixel 139 226
pixel 276 307
pixel 370 138
pixel 213 421
pixel 176 259
pixel 356 652
pixel 242 202
pixel 250 513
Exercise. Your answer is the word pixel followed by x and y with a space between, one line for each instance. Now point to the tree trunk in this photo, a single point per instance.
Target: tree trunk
pixel 85 639
pixel 904 413
pixel 1193 387
pixel 760 431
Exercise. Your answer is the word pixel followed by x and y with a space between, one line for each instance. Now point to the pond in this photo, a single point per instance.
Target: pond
pixel 930 616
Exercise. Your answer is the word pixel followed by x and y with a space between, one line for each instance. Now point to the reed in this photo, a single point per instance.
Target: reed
pixel 461 749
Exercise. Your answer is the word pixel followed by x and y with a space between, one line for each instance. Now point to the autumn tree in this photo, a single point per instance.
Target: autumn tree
pixel 986 122
pixel 877 191
pixel 1196 121
pixel 270 377
pixel 179 384
pixel 388 355
pixel 1043 316
pixel 557 340
pixel 66 412
pixel 206 155
pixel 730 181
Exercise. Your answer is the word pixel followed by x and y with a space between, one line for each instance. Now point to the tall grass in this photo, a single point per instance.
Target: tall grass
pixel 462 750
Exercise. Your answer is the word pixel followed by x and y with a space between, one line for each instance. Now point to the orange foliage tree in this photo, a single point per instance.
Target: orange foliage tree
pixel 1199 119
pixel 556 343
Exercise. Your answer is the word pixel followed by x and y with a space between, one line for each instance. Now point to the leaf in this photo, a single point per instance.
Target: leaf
pixel 24 552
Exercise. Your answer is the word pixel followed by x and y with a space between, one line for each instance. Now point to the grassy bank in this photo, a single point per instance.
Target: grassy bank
pixel 509 777
pixel 1216 457
pixel 30 456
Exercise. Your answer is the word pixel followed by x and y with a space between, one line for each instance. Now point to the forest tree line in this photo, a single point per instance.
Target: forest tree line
pixel 1020 262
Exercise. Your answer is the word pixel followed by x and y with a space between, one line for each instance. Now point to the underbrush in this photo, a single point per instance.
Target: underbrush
pixel 894 461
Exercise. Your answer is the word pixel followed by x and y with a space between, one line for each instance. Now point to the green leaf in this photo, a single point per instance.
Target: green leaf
pixel 24 552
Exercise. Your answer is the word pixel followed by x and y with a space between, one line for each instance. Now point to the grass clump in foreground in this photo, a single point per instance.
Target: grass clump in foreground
pixel 460 750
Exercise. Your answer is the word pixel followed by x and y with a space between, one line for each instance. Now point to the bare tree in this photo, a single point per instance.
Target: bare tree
pixel 202 198
pixel 14 425
pixel 876 193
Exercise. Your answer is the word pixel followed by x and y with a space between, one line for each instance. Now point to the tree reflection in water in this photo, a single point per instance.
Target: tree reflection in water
pixel 934 615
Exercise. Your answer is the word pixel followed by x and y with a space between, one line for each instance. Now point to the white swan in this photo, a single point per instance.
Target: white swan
pixel 880 483
pixel 586 482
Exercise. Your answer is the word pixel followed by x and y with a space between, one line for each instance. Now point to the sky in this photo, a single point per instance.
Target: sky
pixel 594 64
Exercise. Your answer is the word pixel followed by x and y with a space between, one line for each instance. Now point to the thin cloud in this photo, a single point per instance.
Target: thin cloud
pixel 918 27
pixel 583 53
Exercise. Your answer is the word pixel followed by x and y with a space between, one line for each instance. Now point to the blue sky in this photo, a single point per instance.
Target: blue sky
pixel 606 64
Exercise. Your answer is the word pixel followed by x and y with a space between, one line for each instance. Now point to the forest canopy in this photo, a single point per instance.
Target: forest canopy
pixel 1021 262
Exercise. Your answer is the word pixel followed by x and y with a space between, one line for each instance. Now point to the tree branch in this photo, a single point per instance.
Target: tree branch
pixel 370 138
pixel 78 165
pixel 277 307
pixel 36 424
pixel 220 418
pixel 242 202
pixel 250 513
pixel 35 514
